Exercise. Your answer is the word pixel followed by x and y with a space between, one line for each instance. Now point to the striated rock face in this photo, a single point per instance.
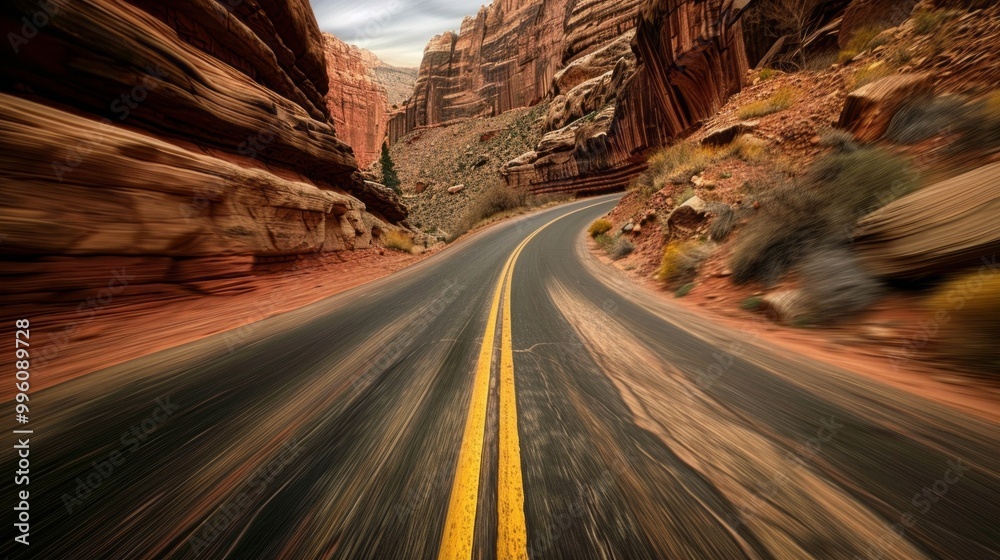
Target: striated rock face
pixel 358 103
pixel 508 56
pixel 180 130
pixel 690 58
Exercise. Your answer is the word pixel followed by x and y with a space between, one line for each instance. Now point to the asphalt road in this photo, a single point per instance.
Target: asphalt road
pixel 509 398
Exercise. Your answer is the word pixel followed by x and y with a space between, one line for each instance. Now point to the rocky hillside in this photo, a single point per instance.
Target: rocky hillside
pixel 857 192
pixel 185 142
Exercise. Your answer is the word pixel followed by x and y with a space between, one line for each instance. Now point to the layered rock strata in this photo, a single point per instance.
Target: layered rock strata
pixel 188 131
pixel 690 59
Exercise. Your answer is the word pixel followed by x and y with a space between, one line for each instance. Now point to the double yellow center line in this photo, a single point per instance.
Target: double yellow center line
pixel 460 523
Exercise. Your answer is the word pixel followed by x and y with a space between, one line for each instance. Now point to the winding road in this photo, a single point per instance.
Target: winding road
pixel 509 397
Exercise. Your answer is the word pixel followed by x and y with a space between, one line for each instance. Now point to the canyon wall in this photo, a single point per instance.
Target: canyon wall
pixel 690 57
pixel 506 57
pixel 358 103
pixel 195 135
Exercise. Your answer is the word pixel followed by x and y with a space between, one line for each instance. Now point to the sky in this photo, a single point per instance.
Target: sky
pixel 395 30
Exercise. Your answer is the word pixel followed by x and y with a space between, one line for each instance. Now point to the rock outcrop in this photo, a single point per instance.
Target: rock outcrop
pixel 358 103
pixel 508 56
pixel 690 58
pixel 936 230
pixel 193 131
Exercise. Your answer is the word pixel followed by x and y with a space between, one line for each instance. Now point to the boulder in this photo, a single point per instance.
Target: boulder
pixel 724 135
pixel 868 110
pixel 456 189
pixel 940 228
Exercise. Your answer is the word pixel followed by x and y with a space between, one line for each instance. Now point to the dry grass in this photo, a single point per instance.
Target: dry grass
pixel 862 40
pixel 599 227
pixel 967 310
pixel 495 199
pixel 397 241
pixel 872 72
pixel 780 100
pixel 680 262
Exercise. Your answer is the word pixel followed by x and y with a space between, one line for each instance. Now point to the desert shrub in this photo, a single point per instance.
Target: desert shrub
pixel 723 222
pixel 746 148
pixel 926 117
pixel 979 132
pixel 599 226
pixel 838 139
pixel 495 199
pixel 834 286
pixel 862 40
pixel 680 261
pixel 928 21
pixel 873 72
pixel 817 211
pixel 684 290
pixel 685 195
pixel 765 73
pixel 969 308
pixel 621 248
pixel 780 100
pixel 397 241
pixel 752 303
pixel 675 164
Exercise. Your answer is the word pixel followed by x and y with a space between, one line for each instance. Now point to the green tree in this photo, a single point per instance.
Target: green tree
pixel 389 176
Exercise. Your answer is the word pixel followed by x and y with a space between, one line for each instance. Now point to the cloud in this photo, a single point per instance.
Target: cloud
pixel 395 30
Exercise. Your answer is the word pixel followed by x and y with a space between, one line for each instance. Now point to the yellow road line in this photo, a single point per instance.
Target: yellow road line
pixel 460 522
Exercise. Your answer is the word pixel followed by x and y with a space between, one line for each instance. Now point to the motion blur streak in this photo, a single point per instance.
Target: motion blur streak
pixel 644 431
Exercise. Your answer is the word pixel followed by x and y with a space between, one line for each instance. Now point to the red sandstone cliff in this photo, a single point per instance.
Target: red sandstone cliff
pixel 170 133
pixel 508 56
pixel 358 103
pixel 690 57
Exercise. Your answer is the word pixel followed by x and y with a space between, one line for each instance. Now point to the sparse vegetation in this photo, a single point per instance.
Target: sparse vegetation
pixel 966 311
pixel 599 227
pixel 834 286
pixel 818 211
pixel 752 303
pixel 746 147
pixel 780 100
pixel 621 249
pixel 680 261
pixel 765 73
pixel 684 290
pixel 928 21
pixel 675 164
pixel 873 72
pixel 495 199
pixel 389 176
pixel 723 222
pixel 862 40
pixel 397 241
pixel 925 117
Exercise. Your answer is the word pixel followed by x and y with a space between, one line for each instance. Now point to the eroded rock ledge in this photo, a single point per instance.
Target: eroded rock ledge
pixel 690 57
pixel 180 131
